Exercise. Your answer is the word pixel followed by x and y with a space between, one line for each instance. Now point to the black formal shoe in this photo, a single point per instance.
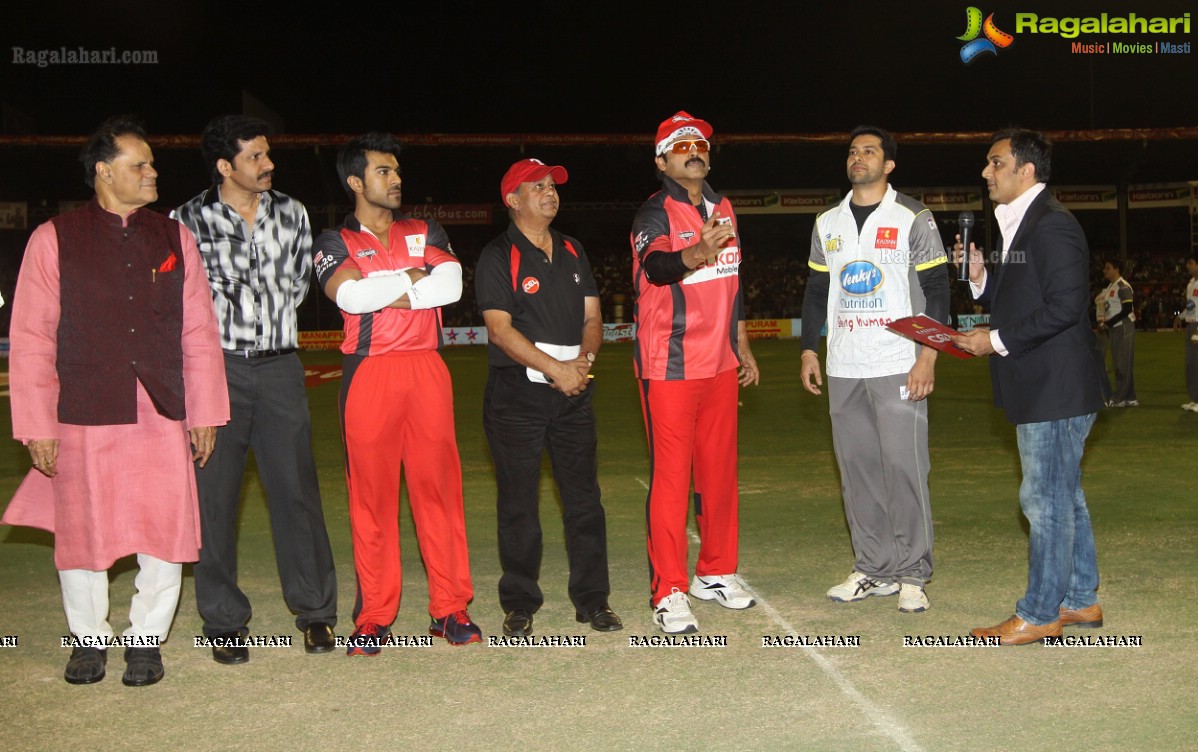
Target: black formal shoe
pixel 143 667
pixel 86 666
pixel 229 648
pixel 602 619
pixel 319 638
pixel 517 623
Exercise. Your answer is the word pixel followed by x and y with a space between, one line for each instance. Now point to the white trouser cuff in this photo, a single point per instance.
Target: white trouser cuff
pixel 85 600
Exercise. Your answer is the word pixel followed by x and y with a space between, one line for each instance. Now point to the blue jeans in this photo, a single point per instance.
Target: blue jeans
pixel 1062 562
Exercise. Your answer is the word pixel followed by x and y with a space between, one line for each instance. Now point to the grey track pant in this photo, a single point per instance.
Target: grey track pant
pixel 1123 352
pixel 881 444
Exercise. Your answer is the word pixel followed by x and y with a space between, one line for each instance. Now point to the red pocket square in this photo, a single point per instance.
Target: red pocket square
pixel 169 264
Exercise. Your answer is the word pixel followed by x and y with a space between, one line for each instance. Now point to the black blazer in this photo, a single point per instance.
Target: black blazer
pixel 1039 301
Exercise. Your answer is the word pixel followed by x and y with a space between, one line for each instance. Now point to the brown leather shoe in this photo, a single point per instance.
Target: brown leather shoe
pixel 1016 631
pixel 1088 617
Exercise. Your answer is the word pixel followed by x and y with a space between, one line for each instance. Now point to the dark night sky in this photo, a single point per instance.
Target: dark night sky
pixel 537 66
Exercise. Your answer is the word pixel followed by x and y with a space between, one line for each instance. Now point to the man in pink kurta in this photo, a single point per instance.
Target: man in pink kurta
pixel 117 385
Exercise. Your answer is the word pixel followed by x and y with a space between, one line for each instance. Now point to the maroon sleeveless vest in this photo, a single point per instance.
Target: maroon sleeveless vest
pixel 121 315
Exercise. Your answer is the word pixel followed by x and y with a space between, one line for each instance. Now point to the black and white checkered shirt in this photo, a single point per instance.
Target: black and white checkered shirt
pixel 260 275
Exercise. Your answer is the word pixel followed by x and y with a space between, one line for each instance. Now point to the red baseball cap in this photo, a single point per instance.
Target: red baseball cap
pixel 680 125
pixel 528 171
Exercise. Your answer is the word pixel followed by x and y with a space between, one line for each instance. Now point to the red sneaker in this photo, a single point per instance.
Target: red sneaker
pixel 367 639
pixel 456 628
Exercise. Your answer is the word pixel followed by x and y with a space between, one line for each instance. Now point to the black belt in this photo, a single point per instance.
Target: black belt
pixel 248 353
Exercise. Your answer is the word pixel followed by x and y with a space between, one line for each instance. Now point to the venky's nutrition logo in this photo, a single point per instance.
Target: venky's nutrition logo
pixel 860 278
pixel 993 37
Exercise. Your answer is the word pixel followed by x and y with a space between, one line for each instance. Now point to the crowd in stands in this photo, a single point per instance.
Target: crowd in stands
pixel 1159 283
pixel 774 287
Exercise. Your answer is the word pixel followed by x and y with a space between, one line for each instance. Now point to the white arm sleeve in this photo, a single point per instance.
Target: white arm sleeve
pixel 373 293
pixel 442 286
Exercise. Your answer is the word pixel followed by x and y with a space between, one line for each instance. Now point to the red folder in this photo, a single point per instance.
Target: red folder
pixel 928 331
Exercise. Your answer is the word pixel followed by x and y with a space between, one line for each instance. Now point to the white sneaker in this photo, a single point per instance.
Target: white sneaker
pixel 673 614
pixel 859 586
pixel 728 590
pixel 912 599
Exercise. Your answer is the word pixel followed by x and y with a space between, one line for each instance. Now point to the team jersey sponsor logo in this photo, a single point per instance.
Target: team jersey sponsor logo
pixel 932 223
pixel 324 262
pixel 860 278
pixel 641 241
pixel 832 244
pixel 686 235
pixel 530 285
pixel 577 279
pixel 887 238
pixel 856 321
pixel 727 264
pixel 366 253
pixel 415 245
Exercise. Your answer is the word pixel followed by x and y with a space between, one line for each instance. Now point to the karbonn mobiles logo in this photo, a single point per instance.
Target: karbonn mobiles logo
pixel 991 39
pixel 860 278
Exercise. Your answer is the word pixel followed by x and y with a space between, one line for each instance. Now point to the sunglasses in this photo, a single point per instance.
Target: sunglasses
pixel 683 147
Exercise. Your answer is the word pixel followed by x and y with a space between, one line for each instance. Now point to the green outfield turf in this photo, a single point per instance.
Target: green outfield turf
pixel 1140 479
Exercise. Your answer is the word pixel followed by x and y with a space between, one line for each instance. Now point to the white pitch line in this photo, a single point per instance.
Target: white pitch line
pixel 880 718
pixel 884 723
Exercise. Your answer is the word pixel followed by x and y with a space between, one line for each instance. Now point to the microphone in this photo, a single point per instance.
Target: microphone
pixel 965 222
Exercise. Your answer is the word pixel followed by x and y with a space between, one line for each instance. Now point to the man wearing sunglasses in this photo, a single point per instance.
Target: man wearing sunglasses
pixel 692 351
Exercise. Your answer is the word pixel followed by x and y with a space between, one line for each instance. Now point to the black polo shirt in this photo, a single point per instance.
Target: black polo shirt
pixel 544 299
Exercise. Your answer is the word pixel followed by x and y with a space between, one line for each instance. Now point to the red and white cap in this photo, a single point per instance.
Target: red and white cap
pixel 529 171
pixel 681 125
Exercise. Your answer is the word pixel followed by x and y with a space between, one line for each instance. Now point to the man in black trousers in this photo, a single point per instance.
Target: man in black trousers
pixel 256 244
pixel 541 307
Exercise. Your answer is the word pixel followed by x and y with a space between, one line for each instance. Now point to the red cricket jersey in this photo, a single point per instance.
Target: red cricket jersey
pixel 411 243
pixel 686 329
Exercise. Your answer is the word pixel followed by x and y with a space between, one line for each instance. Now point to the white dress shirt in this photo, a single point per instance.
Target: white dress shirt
pixel 1009 217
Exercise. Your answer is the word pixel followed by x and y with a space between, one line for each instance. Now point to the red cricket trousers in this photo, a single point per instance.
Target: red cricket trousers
pixel 691 427
pixel 397 412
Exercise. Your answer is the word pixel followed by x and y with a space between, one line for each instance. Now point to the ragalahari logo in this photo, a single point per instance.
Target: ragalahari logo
pixel 992 36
